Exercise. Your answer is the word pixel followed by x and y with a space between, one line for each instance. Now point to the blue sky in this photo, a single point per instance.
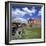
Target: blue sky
pixel 26 11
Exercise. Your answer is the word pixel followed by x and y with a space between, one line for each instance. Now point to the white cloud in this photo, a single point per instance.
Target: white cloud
pixel 31 14
pixel 28 18
pixel 32 17
pixel 29 11
pixel 19 20
pixel 39 13
pixel 33 10
pixel 18 13
pixel 26 9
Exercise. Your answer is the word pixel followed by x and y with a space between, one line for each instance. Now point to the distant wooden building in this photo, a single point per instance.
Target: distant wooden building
pixel 34 22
